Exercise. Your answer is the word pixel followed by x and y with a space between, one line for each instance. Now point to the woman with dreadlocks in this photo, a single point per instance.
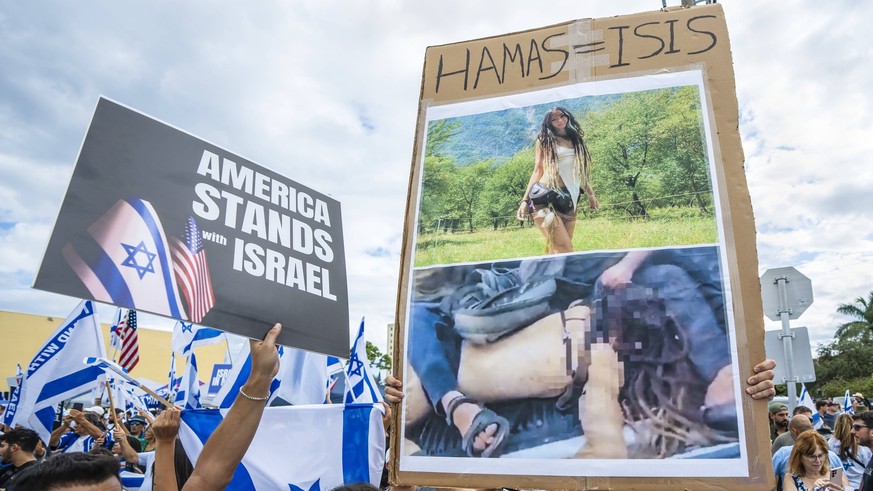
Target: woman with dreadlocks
pixel 561 170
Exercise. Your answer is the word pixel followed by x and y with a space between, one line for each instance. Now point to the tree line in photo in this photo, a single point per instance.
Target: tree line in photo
pixel 648 150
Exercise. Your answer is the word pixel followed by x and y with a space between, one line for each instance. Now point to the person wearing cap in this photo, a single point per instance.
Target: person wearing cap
pixel 778 419
pixel 98 410
pixel 137 425
pixel 787 439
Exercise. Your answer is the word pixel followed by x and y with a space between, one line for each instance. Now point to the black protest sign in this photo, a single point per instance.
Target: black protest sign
pixel 161 221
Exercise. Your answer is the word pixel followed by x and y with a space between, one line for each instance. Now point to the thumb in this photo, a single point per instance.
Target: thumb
pixel 272 334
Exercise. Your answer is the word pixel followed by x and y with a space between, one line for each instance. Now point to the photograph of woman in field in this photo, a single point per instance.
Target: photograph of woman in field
pixel 561 172
pixel 584 168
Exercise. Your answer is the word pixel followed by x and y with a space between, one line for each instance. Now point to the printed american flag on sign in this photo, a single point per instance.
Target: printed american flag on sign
pixel 192 272
pixel 129 341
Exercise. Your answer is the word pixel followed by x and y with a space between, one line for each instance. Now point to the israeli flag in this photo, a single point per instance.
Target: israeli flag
pixel 334 365
pixel 806 401
pixel 360 385
pixel 125 259
pixel 332 445
pixel 115 336
pixel 56 373
pixel 189 390
pixel 110 366
pixel 847 403
pixel 301 379
pixel 187 336
pixel 173 383
pixel 125 394
pixel 132 481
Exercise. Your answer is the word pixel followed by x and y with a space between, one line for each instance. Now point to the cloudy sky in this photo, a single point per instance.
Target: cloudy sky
pixel 326 93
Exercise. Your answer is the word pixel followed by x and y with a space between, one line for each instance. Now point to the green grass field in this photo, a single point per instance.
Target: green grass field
pixel 601 233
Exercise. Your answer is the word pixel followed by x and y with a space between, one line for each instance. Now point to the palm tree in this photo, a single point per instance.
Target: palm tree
pixel 862 312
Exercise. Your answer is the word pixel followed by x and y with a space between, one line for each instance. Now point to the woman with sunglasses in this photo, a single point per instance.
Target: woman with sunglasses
pixel 854 456
pixel 561 171
pixel 808 467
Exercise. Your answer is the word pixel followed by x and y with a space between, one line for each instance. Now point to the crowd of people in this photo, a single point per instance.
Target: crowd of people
pixel 91 451
pixel 825 449
pixel 94 450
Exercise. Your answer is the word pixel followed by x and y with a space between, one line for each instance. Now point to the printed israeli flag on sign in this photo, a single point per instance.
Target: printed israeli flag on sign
pixel 301 379
pixel 125 259
pixel 360 385
pixel 187 336
pixel 56 372
pixel 332 445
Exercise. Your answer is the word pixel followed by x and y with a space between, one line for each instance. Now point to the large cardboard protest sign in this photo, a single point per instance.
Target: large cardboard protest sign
pixel 579 305
pixel 161 221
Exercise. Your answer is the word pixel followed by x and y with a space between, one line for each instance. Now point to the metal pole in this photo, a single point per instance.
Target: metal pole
pixel 787 337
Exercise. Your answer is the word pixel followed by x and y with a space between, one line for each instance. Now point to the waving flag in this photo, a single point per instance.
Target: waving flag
pixel 334 370
pixel 56 373
pixel 805 400
pixel 301 379
pixel 129 341
pixel 114 336
pixel 188 395
pixel 360 385
pixel 128 394
pixel 847 403
pixel 333 445
pixel 131 480
pixel 187 336
pixel 124 259
pixel 173 382
pixel 19 376
pixel 192 271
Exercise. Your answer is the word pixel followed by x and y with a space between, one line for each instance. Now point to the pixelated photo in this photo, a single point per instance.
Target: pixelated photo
pixel 568 359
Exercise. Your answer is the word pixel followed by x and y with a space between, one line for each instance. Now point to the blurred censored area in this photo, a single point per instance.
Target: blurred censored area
pixel 517 337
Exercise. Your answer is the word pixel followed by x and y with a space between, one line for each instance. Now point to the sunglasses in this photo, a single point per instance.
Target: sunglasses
pixel 858 427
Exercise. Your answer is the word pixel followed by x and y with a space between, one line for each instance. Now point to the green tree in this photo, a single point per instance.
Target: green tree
pixel 862 313
pixel 438 171
pixel 465 190
pixel 623 141
pixel 684 169
pixel 846 363
pixel 377 359
pixel 506 185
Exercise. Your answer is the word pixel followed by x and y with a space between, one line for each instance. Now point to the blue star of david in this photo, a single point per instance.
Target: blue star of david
pixel 187 327
pixel 131 260
pixel 356 365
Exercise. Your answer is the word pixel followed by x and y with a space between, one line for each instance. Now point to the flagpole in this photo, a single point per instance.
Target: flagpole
pixel 111 404
pixel 160 399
